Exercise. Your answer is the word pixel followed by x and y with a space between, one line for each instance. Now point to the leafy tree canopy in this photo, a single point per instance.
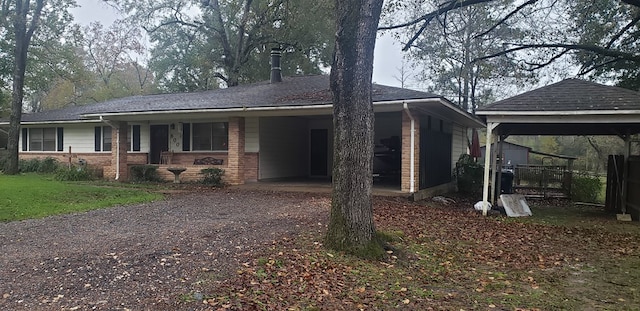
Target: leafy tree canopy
pixel 447 50
pixel 598 37
pixel 201 45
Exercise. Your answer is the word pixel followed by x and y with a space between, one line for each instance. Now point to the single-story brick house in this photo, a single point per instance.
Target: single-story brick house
pixel 261 131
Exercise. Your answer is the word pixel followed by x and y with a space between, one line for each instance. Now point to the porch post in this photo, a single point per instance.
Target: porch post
pixel 119 131
pixel 410 158
pixel 487 161
pixel 625 172
pixel 497 173
pixel 235 158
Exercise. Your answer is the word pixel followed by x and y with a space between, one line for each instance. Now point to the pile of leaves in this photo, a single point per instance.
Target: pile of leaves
pixel 444 258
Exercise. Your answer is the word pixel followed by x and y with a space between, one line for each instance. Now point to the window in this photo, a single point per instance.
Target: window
pixel 104 140
pixel 133 138
pixel 210 136
pixel 42 139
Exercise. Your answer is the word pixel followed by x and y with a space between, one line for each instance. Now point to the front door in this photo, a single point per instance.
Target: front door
pixel 319 152
pixel 159 142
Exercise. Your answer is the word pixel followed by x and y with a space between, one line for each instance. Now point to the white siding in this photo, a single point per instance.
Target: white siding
pixel 80 137
pixel 458 143
pixel 283 147
pixel 251 135
pixel 144 138
pixel 175 138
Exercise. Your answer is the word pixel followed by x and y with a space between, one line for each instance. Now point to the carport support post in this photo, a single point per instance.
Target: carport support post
pixel 487 162
pixel 497 173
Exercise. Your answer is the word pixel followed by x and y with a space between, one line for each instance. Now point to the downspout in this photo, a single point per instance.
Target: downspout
pixel 109 123
pixel 412 155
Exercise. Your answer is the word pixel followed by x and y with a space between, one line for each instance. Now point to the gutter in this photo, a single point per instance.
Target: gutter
pixel 555 113
pixel 281 108
pixel 412 143
pixel 248 109
pixel 117 145
pixel 53 122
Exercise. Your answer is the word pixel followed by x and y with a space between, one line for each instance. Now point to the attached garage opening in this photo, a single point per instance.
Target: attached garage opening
pixel 283 148
pixel 387 154
pixel 301 148
pixel 436 139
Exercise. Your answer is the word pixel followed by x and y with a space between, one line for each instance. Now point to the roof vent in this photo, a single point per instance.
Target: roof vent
pixel 276 71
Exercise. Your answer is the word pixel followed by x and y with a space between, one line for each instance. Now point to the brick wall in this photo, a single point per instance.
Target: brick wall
pixel 120 154
pixel 235 159
pixel 405 184
pixel 95 161
pixel 251 166
pixel 109 172
pixel 187 158
pixel 192 174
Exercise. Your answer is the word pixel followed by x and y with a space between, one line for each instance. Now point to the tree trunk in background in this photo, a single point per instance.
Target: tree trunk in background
pixel 351 226
pixel 23 31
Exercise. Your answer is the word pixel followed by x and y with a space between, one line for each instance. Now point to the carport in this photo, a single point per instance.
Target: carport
pixel 571 107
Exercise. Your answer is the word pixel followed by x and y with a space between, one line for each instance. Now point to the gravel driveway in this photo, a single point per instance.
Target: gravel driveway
pixel 143 257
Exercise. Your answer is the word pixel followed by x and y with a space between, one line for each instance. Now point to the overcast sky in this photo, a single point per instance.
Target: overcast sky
pixel 387 60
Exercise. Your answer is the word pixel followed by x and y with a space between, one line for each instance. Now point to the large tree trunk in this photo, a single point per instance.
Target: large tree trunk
pixel 351 226
pixel 23 31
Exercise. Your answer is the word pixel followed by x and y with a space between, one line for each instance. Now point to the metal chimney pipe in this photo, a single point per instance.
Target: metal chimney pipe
pixel 276 70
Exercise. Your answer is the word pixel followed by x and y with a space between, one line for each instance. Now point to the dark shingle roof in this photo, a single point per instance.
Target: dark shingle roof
pixel 293 91
pixel 570 95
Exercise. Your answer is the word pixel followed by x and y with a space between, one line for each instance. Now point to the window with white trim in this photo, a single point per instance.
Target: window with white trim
pixel 42 139
pixel 104 140
pixel 133 138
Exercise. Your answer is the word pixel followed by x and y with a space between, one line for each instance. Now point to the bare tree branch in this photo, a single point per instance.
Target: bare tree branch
pixel 589 69
pixel 427 18
pixel 536 66
pixel 622 31
pixel 594 145
pixel 451 5
pixel 504 19
pixel 635 3
pixel 583 47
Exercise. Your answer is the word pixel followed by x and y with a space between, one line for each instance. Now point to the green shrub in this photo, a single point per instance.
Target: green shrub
pixel 145 173
pixel 469 175
pixel 75 173
pixel 29 166
pixel 585 188
pixel 3 161
pixel 46 166
pixel 212 176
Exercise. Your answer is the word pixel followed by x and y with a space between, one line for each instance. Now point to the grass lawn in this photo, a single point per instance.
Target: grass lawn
pixel 36 196
pixel 446 258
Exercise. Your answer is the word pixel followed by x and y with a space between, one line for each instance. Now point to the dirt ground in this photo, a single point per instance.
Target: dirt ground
pixel 140 257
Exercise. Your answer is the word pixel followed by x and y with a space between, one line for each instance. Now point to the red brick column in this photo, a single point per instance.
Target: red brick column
pixel 235 159
pixel 123 127
pixel 405 180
